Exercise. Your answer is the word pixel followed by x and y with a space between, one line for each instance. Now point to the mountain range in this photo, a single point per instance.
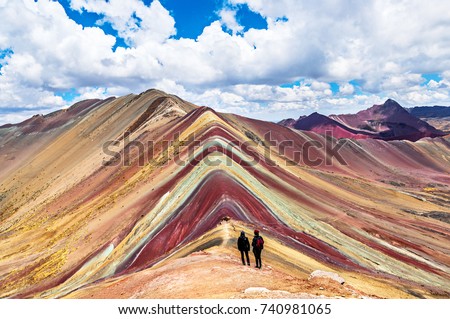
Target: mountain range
pixel 387 121
pixel 144 196
pixel 430 111
pixel 437 116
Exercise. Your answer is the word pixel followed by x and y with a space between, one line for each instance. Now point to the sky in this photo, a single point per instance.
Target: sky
pixel 259 58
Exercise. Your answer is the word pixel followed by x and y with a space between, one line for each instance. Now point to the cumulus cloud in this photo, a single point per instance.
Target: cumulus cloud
pixel 135 22
pixel 50 51
pixel 346 89
pixel 228 19
pixel 384 45
pixel 399 81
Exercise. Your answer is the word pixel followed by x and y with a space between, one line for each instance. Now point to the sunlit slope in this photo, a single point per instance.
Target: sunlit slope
pixel 139 181
pixel 209 268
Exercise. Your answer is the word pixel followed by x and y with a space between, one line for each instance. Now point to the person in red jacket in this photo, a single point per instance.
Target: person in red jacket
pixel 244 246
pixel 258 246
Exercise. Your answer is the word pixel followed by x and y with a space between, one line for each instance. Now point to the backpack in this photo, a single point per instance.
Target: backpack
pixel 259 244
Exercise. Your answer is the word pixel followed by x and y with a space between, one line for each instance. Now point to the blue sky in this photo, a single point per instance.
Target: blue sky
pixel 191 17
pixel 258 58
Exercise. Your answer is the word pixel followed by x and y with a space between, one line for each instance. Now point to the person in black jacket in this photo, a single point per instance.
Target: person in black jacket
pixel 244 246
pixel 258 245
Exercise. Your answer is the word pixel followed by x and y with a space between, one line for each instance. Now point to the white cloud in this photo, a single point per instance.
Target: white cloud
pixel 27 68
pixel 228 19
pixel 93 93
pixel 400 81
pixel 270 94
pixel 346 89
pixel 425 97
pixel 135 22
pixel 384 44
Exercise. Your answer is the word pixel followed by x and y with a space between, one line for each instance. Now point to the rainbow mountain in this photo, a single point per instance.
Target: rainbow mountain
pixel 144 196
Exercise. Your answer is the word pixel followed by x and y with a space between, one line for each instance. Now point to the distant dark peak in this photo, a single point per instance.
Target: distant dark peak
pixel 388 108
pixel 317 117
pixel 391 104
pixel 288 119
pixel 387 121
pixel 313 120
pixel 316 114
pixel 289 122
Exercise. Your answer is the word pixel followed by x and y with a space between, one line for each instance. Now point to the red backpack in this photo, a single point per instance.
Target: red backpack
pixel 259 244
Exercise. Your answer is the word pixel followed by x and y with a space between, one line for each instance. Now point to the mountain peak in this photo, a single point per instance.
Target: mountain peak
pixel 386 121
pixel 391 101
pixel 388 108
pixel 312 120
pixel 289 122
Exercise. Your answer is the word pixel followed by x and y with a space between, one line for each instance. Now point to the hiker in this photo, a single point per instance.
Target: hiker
pixel 258 246
pixel 243 246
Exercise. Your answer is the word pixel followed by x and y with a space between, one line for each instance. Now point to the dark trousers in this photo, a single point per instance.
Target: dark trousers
pixel 257 253
pixel 246 255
